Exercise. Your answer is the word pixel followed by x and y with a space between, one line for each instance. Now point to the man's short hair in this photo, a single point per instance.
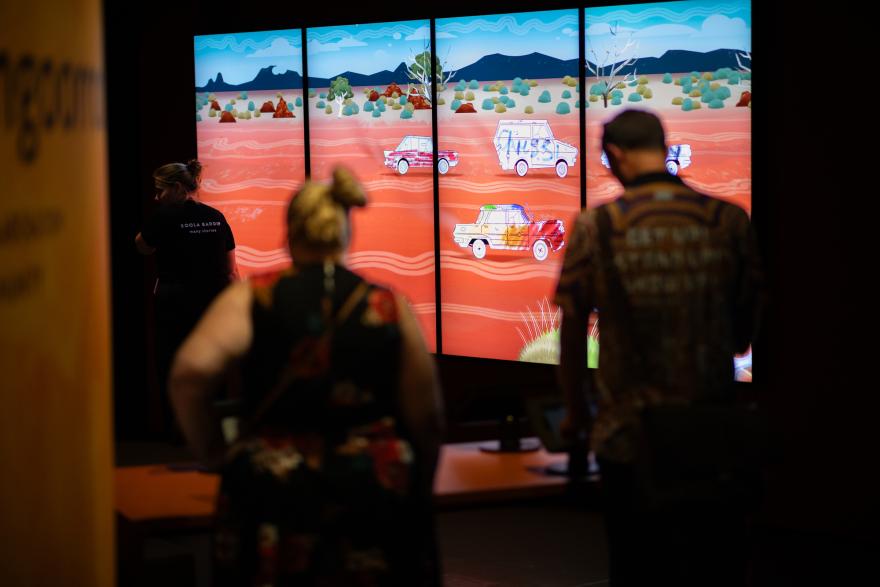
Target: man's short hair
pixel 634 129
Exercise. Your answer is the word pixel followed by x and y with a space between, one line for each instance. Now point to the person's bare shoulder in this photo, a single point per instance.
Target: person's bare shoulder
pixel 226 323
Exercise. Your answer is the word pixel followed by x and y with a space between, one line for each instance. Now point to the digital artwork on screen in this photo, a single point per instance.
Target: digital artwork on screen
pixel 249 127
pixel 509 114
pixel 370 111
pixel 689 63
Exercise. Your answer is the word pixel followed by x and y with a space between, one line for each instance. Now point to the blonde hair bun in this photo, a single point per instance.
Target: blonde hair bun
pixel 318 215
pixel 346 190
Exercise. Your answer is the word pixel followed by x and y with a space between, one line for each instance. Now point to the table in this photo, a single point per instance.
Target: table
pixel 171 496
pixel 160 500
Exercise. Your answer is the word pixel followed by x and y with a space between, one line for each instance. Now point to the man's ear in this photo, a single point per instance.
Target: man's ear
pixel 614 151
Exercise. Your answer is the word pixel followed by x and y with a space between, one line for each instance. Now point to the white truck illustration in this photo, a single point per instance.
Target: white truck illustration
pixel 525 144
pixel 677 157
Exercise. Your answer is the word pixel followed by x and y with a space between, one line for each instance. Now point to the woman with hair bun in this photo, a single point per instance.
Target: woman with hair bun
pixel 195 260
pixel 329 481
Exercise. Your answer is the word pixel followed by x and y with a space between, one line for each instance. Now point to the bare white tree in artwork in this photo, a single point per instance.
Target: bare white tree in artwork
pixel 608 67
pixel 742 67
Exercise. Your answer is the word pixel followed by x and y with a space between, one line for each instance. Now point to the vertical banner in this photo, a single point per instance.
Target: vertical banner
pixel 56 507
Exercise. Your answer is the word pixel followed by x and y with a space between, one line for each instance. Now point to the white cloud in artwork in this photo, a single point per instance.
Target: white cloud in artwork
pixel 424 33
pixel 319 47
pixel 280 47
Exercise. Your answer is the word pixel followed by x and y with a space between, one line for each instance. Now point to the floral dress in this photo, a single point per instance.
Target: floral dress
pixel 324 490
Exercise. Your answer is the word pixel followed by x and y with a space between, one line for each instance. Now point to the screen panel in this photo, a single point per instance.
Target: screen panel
pixel 690 64
pixel 510 118
pixel 370 110
pixel 249 128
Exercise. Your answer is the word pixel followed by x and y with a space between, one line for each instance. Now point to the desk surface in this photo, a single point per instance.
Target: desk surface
pixel 159 494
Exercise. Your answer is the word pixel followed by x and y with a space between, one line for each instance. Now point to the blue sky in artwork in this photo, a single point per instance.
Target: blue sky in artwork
pixel 659 27
pixel 241 56
pixel 365 49
pixel 463 41
pixel 654 28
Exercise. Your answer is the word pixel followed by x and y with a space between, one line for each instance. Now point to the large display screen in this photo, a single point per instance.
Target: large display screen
pixel 249 127
pixel 689 63
pixel 510 119
pixel 509 156
pixel 370 110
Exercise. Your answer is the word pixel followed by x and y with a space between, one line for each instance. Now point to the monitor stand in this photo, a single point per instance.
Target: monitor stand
pixel 509 440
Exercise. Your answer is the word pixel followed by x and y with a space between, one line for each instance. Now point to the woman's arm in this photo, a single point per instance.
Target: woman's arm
pixel 142 246
pixel 420 398
pixel 222 335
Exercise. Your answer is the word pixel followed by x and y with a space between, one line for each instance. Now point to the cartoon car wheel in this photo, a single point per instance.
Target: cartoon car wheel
pixel 443 166
pixel 522 168
pixel 540 250
pixel 672 167
pixel 561 168
pixel 402 166
pixel 479 248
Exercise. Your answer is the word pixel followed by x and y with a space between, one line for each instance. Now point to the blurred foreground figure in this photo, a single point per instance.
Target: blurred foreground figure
pixel 330 480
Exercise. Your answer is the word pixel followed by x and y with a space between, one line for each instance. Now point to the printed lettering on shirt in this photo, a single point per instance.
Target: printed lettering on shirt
pixel 199 224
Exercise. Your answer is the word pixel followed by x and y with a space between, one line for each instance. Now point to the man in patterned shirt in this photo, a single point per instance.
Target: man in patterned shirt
pixel 673 275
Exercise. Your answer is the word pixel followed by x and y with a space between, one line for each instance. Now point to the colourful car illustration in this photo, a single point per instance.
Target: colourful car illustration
pixel 677 157
pixel 524 144
pixel 510 227
pixel 415 151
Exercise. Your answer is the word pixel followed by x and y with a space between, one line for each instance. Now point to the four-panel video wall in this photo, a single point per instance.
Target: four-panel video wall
pixel 506 109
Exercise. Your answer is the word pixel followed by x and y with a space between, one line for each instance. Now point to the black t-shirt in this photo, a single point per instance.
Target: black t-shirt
pixel 192 242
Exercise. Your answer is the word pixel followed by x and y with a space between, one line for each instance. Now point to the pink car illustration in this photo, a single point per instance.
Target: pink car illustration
pixel 415 151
